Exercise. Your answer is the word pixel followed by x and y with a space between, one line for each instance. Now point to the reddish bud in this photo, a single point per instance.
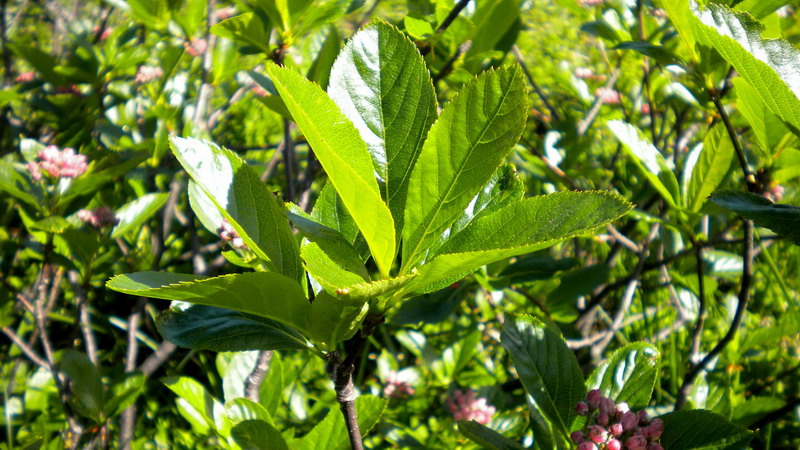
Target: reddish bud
pixel 582 408
pixel 629 421
pixel 597 434
pixel 616 429
pixel 614 444
pixel 587 446
pixel 636 443
pixel 593 398
pixel 577 437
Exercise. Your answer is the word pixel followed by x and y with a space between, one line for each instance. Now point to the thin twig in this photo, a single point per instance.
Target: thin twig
pixel 534 84
pixel 583 125
pixel 701 300
pixel 26 349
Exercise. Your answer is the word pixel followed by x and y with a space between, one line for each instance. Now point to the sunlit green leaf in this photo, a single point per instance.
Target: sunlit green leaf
pixel 781 219
pixel 628 375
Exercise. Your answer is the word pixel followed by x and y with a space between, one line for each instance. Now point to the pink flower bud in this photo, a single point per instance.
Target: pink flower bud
pixel 25 77
pixel 577 437
pixel 655 446
pixel 616 429
pixel 196 47
pixel 602 419
pixel 607 406
pixel 629 421
pixel 582 408
pixel 614 444
pixel 593 398
pixel 642 415
pixel 597 434
pixel 655 428
pixel 587 446
pixel 608 96
pixel 636 443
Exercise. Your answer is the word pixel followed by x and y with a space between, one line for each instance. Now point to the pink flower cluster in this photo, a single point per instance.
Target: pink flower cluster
pixel 607 95
pixel 396 388
pixel 25 77
pixel 774 193
pixel 229 234
pixel 464 406
pixel 146 74
pixel 196 47
pixel 99 217
pixel 610 425
pixel 58 163
pixel 590 2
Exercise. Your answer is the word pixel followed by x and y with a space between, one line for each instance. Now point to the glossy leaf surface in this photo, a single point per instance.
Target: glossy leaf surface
pixel 781 219
pixel 628 375
pixel 702 430
pixel 712 164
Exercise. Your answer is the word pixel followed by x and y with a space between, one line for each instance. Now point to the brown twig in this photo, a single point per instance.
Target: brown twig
pixel 26 349
pixel 533 83
pixel 252 385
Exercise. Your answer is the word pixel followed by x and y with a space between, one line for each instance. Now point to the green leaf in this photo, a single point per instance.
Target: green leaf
pixel 547 368
pixel 766 126
pixel 264 294
pixel 486 437
pixel 782 219
pixel 523 227
pixel 772 66
pixel 135 213
pixel 326 271
pixel 700 429
pixel 258 435
pixel 374 289
pixel 708 165
pixel 224 330
pixel 492 21
pixel 463 149
pixel 241 409
pixel 52 224
pixel 681 17
pixel 329 210
pixel 195 402
pixel 628 375
pixel 247 28
pixel 345 158
pixel 272 387
pixel 503 188
pixel 381 84
pixel 85 381
pixel 333 320
pixel 235 188
pixel 331 434
pixel 648 159
pixel 17 185
pixel 760 8
pixel 657 52
pixel 125 393
pixel 320 70
pixel 750 411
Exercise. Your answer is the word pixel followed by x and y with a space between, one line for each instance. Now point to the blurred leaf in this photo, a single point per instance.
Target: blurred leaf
pixel 52 224
pixel 224 330
pixel 771 66
pixel 547 368
pixel 16 185
pixel 265 294
pixel 241 409
pixel 320 70
pixel 331 434
pixel 628 375
pixel 381 84
pixel 523 227
pixel 85 381
pixel 782 219
pixel 258 435
pixel 766 126
pixel 197 405
pixel 137 212
pixel 648 159
pixel 247 28
pixel 760 8
pixel 561 302
pixel 344 156
pixel 701 429
pixel 486 437
pixel 712 165
pixel 750 411
pixel 656 52
pixel 124 394
pixel 255 212
pixel 463 149
pixel 271 391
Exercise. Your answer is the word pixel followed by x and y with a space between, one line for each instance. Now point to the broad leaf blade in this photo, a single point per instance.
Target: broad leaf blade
pixel 331 434
pixel 702 429
pixel 135 213
pixel 264 294
pixel 547 368
pixel 781 219
pixel 648 159
pixel 523 227
pixel 629 375
pixel 332 320
pixel 772 66
pixel 463 149
pixel 345 158
pixel 767 127
pixel 223 330
pixel 244 200
pixel 713 163
pixel 382 85
pixel 258 434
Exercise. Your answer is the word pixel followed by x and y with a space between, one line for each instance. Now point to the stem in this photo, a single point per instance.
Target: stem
pixel 451 16
pixel 701 313
pixel 534 84
pixel 252 385
pixel 749 178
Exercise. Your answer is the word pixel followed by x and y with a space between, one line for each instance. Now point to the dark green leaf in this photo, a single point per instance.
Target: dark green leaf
pixel 781 219
pixel 381 84
pixel 547 368
pixel 486 437
pixel 628 375
pixel 700 429
pixel 462 151
pixel 85 381
pixel 657 52
pixel 224 330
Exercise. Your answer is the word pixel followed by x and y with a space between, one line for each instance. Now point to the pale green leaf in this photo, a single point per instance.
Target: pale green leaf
pixel 198 404
pixel 713 163
pixel 628 375
pixel 700 429
pixel 782 219
pixel 547 368
pixel 136 212
pixel 772 66
pixel 331 434
pixel 463 149
pixel 648 159
pixel 529 225
pixel 767 127
pixel 345 158
pixel 326 271
pixel 224 330
pixel 264 294
pixel 235 188
pixel 381 84
pixel 248 28
pixel 681 17
pixel 760 8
